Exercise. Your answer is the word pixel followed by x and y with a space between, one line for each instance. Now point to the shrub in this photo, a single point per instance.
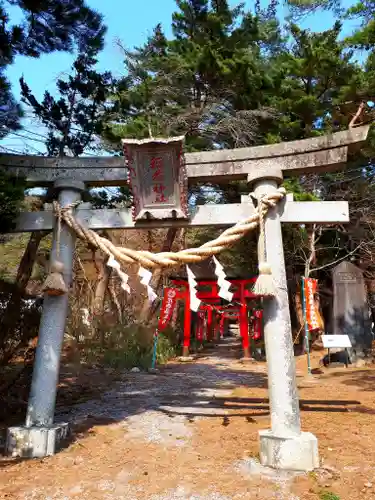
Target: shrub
pixel 131 346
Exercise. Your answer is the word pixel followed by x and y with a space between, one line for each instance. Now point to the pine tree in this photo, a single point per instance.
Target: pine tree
pixel 316 69
pixel 74 119
pixel 48 26
pixel 212 82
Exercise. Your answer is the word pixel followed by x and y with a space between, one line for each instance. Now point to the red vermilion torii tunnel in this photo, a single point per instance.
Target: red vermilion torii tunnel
pixel 215 311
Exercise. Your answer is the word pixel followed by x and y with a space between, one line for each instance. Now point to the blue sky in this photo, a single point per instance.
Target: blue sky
pixel 131 22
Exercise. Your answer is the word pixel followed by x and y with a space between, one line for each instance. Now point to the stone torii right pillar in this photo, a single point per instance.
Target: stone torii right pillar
pixel 284 446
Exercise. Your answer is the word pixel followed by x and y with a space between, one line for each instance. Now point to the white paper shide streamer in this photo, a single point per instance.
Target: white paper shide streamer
pixel 224 285
pixel 146 276
pixel 112 262
pixel 194 301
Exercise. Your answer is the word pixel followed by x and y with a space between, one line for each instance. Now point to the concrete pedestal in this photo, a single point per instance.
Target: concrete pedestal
pixel 35 442
pixel 186 359
pixel 299 453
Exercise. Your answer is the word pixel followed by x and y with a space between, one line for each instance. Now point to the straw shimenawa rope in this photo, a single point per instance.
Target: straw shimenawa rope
pixel 54 283
pixel 264 285
pixel 168 259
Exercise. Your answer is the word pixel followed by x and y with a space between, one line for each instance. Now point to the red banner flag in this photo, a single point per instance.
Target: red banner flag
pixel 312 313
pixel 258 324
pixel 167 307
pixel 222 326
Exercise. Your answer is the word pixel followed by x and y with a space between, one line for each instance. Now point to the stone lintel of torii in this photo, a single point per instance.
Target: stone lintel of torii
pixel 284 446
pixel 319 154
pixel 220 216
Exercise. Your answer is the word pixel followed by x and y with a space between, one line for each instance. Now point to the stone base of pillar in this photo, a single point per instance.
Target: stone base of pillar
pixel 186 359
pixel 247 360
pixel 299 453
pixel 35 442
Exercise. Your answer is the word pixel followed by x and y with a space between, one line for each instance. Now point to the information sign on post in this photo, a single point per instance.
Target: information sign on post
pixel 336 341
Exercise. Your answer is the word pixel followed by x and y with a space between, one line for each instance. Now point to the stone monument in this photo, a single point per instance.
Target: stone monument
pixel 350 308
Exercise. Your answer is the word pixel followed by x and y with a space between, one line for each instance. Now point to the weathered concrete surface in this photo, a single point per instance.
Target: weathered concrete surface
pixel 285 419
pixel 284 446
pixel 316 154
pixel 35 442
pixel 41 404
pixel 257 168
pixel 299 453
pixel 337 140
pixel 350 309
pixel 325 212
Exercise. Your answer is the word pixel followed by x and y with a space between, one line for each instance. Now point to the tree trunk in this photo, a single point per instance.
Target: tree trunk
pixel 11 314
pixel 116 302
pixel 25 269
pixel 99 298
pixel 148 310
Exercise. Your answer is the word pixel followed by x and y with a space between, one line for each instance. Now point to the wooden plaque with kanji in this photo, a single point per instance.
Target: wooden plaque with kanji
pixel 157 177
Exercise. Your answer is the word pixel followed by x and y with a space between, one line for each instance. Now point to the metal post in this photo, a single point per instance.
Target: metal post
pixel 41 405
pixel 155 349
pixel 307 342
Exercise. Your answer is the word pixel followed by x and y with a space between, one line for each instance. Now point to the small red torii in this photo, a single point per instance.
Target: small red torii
pixel 208 293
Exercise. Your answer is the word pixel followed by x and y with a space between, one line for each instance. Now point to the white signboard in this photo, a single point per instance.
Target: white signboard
pixel 336 341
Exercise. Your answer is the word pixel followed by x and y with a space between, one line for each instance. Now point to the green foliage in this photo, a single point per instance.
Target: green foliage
pixel 363 37
pixel 11 251
pixel 210 82
pixel 328 495
pixel 104 198
pixel 19 321
pixel 233 78
pixel 12 191
pixel 131 346
pixel 293 185
pixel 319 79
pixel 75 118
pixel 47 26
pixel 299 8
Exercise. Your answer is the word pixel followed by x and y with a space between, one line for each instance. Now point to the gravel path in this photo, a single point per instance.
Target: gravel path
pixel 159 407
pixel 163 436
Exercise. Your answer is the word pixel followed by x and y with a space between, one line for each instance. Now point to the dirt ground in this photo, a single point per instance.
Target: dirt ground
pixel 191 432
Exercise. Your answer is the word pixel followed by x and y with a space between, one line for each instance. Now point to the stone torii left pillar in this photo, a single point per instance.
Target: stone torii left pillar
pixel 40 437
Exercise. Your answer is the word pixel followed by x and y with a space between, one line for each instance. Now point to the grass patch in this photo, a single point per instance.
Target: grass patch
pixel 129 347
pixel 328 495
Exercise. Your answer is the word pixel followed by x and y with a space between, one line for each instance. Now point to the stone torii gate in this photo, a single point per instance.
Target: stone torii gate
pixel 284 445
